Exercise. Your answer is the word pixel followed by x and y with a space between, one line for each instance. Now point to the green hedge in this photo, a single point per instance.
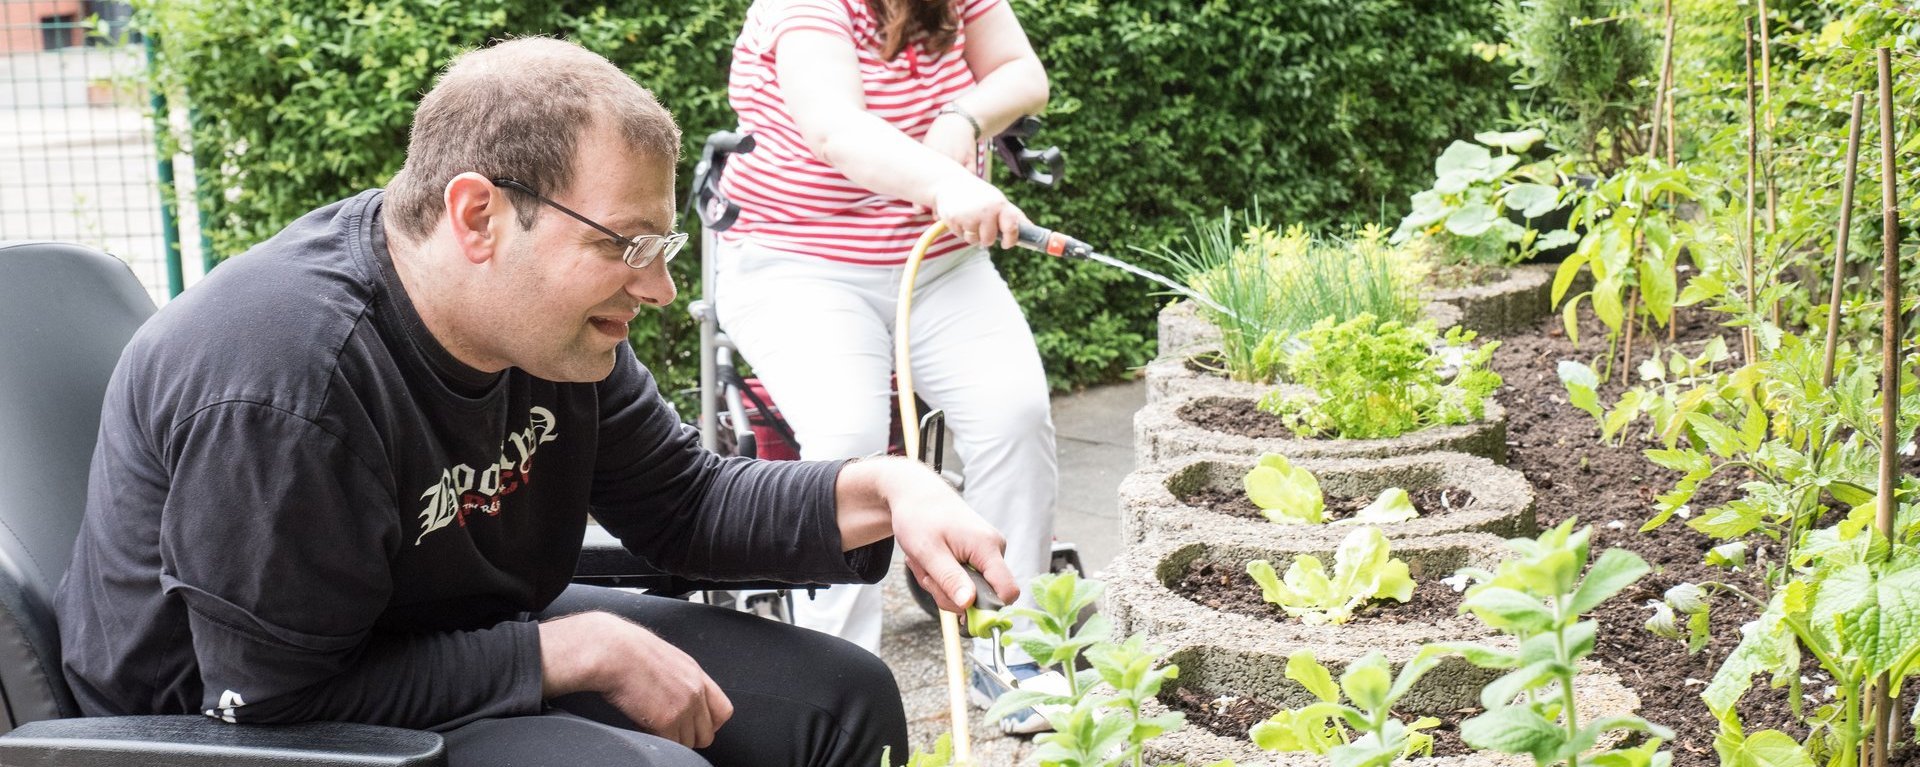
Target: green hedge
pixel 1324 111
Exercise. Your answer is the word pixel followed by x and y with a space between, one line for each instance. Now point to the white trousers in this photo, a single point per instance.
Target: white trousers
pixel 819 335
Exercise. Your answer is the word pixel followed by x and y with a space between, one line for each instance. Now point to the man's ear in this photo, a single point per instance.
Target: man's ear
pixel 478 213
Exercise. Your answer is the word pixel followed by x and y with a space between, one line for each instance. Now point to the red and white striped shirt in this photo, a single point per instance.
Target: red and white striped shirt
pixel 792 201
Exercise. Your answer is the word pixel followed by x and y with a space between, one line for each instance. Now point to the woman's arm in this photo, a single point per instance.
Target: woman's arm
pixel 1010 82
pixel 819 76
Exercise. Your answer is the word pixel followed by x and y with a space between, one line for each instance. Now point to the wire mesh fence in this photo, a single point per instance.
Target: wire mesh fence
pixel 77 155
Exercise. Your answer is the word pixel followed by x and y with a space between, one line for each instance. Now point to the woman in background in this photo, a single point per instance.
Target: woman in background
pixel 870 118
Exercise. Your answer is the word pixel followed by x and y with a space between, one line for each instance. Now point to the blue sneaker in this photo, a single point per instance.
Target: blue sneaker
pixel 986 687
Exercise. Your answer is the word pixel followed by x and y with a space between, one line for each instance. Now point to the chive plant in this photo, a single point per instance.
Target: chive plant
pixel 1279 282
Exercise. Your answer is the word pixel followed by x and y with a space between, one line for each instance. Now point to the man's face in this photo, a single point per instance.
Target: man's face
pixel 565 296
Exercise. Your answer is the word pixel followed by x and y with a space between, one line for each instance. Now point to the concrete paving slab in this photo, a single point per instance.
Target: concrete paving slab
pixel 1095 448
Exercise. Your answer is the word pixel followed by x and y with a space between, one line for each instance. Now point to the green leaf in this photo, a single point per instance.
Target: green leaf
pixel 1615 570
pixel 1472 219
pixel 1558 238
pixel 1478 655
pixel 1753 425
pixel 1516 142
pixel 1303 668
pixel 1582 386
pixel 1720 439
pixel 1657 290
pixel 1285 493
pixel 1850 493
pixel 1770 748
pixel 1502 691
pixel 1679 460
pixel 1875 607
pixel 1607 304
pixel 1271 589
pixel 1571 321
pixel 1732 520
pixel 1461 157
pixel 1564 275
pixel 1509 610
pixel 1513 730
pixel 1728 555
pixel 1393 505
pixel 1532 200
pixel 1367 681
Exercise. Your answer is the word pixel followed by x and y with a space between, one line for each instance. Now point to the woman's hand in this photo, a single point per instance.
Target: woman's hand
pixel 976 212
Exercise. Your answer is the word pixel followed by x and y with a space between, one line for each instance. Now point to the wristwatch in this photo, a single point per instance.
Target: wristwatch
pixel 953 108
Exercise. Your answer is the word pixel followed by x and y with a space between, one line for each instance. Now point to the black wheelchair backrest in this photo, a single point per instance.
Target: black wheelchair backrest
pixel 66 312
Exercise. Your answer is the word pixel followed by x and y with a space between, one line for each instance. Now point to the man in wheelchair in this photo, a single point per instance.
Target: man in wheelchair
pixel 346 476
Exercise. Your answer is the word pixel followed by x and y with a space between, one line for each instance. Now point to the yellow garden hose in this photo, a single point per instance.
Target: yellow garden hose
pixel 910 436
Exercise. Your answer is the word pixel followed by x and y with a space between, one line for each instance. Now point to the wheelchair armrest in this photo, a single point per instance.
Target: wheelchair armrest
pixel 604 561
pixel 179 741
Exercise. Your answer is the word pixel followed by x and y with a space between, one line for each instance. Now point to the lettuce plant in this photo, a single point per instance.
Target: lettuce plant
pixel 1372 690
pixel 1539 597
pixel 1375 379
pixel 1363 570
pixel 1288 494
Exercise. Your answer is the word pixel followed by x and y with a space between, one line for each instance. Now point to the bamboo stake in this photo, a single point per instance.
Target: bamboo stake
pixel 1666 81
pixel 1880 698
pixel 1673 326
pixel 1753 131
pixel 1766 108
pixel 1840 237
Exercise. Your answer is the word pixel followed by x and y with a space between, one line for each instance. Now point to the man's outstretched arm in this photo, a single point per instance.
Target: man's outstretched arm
pixel 939 533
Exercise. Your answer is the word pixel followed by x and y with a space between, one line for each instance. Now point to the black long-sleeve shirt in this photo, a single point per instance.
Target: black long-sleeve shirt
pixel 303 507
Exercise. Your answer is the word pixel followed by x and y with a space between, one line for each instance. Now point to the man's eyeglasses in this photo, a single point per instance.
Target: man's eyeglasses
pixel 641 251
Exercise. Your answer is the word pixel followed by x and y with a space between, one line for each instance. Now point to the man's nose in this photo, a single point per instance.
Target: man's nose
pixel 652 285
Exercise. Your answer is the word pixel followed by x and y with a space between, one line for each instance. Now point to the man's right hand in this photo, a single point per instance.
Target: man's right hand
pixel 655 684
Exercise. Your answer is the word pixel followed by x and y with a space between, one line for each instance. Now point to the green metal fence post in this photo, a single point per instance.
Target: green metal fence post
pixel 169 218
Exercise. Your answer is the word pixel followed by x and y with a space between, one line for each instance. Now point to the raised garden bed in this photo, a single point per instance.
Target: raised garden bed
pixel 1143 591
pixel 1239 671
pixel 1203 498
pixel 1510 300
pixel 1237 652
pixel 1171 430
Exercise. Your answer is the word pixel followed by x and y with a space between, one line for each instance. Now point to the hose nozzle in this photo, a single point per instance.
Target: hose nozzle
pixel 1052 243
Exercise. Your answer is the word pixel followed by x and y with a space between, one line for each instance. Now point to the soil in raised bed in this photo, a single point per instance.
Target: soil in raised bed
pixel 1613 488
pixel 1432 500
pixel 1229 588
pixel 1232 719
pixel 1234 416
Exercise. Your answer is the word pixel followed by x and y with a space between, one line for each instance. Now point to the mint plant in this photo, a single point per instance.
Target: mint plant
pixel 1288 494
pixel 1091 729
pixel 1374 379
pixel 1465 212
pixel 1364 570
pixel 1539 597
pixel 1328 727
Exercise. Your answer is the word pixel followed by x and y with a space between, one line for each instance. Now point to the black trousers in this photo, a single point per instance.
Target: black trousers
pixel 800 698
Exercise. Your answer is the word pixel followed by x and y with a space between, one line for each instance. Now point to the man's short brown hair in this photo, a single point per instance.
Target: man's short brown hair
pixel 518 110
